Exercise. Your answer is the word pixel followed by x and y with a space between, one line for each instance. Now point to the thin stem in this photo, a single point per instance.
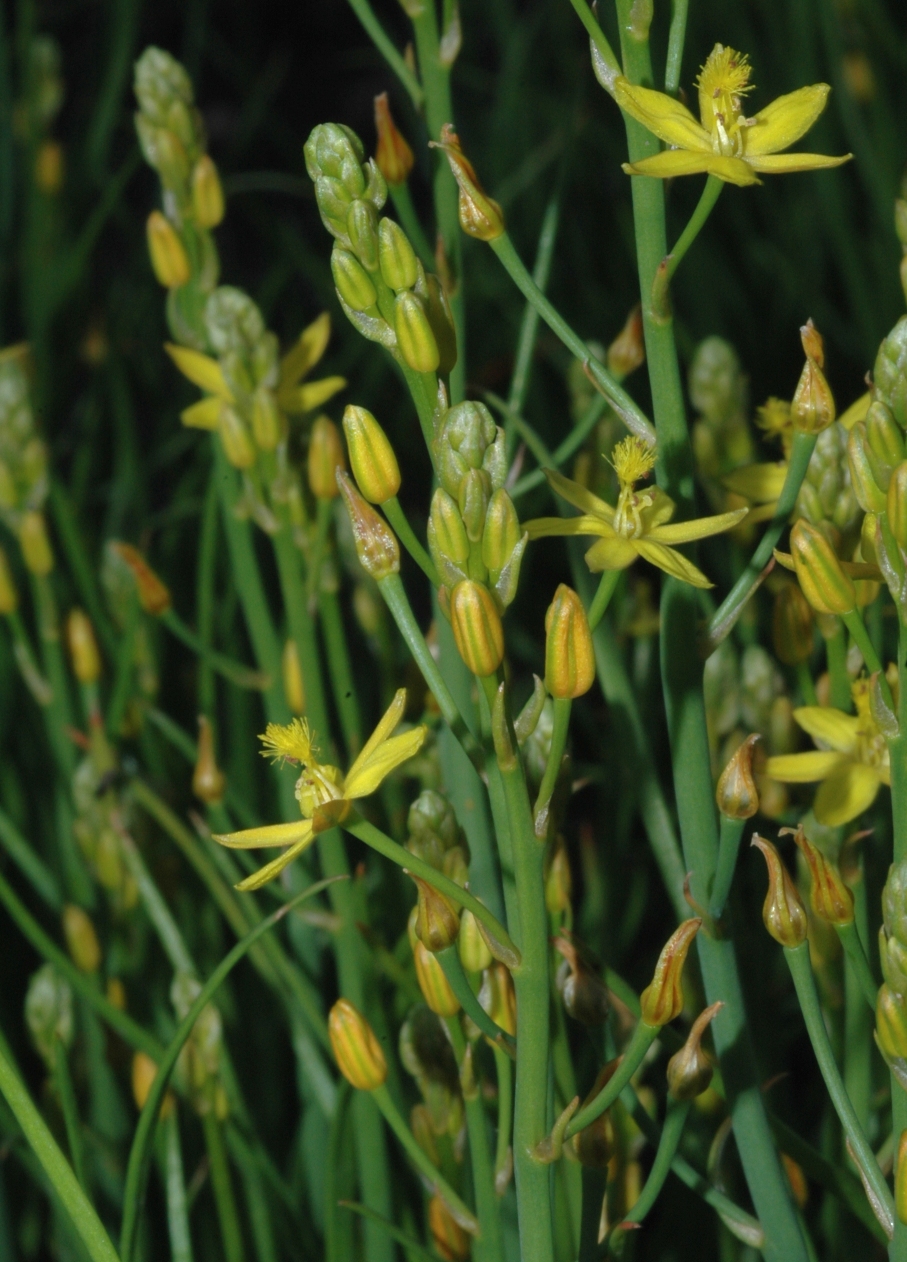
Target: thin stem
pixel 671 1133
pixel 386 48
pixel 407 536
pixel 562 708
pixel 204 594
pixel 836 654
pixel 177 1204
pixel 22 853
pixel 159 913
pixel 235 672
pixel 502 1156
pixel 728 849
pixel 67 1096
pixel 222 1186
pixel 707 200
pixel 676 38
pixel 449 959
pixel 633 1056
pixel 596 34
pixel 850 940
pixel 606 589
pixel 807 687
pixel 854 624
pixel 491 1246
pixel 409 222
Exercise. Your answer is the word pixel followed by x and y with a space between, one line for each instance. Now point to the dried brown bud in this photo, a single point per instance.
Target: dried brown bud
pixel 376 544
pixel 831 900
pixel 690 1070
pixel 737 795
pixel 628 350
pixel 393 155
pixel 662 999
pixel 783 912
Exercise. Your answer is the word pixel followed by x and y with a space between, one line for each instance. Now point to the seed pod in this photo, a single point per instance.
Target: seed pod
pixel 437 918
pixel 293 682
pixel 352 281
pixel 864 471
pixel 472 947
pixel 480 215
pixel 144 1072
pixel 690 1070
pixel 35 544
pixel 396 257
pixel 267 423
pixel 792 626
pixel 373 460
pixel 628 350
pixel 812 342
pixel 9 596
pixel 415 338
pixel 662 999
pixel 891 1023
pixel 83 647
pixel 477 628
pixel 376 544
pixel 208 781
pixel 584 994
pixel 569 655
pixel 393 155
pixel 436 989
pixel 498 997
pixel 825 585
pixel 81 939
pixel 154 596
pixel 168 254
pixel 831 900
pixel 737 795
pixel 449 1238
pixel 889 374
pixel 207 193
pixel 356 1049
pixel 783 912
pixel 325 459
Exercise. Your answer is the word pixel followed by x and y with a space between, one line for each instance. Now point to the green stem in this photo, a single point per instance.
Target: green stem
pixel 632 1057
pixel 676 39
pixel 449 959
pixel 709 197
pixel 854 624
pixel 597 35
pixel 562 708
pixel 836 653
pixel 411 1247
pixel 728 849
pixel 235 672
pixel 807 687
pixel 606 589
pixel 340 672
pixel 222 1186
pixel 67 1095
pixel 177 1205
pixel 159 913
pixel 315 560
pixel 409 222
pixel 671 1134
pixel 522 365
pixel 22 853
pixel 386 48
pixel 407 536
pixel 850 940
pixel 502 1156
pixel 564 450
pixel 490 1248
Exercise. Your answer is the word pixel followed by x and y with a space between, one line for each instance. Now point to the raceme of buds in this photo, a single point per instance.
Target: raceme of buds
pixel 690 1070
pixel 569 655
pixel 393 155
pixel 662 999
pixel 372 458
pixel 356 1049
pixel 471 946
pixel 325 459
pixel 154 597
pixel 891 1023
pixel 376 544
pixel 9 596
pixel 825 585
pixel 477 628
pixel 83 647
pixel 35 544
pixel 831 900
pixel 293 683
pixel 352 282
pixel 782 912
pixel 208 781
pixel 792 626
pixel 396 257
pixel 436 989
pixel 168 254
pixel 335 161
pixel 207 193
pixel 900 1179
pixel 437 918
pixel 628 350
pixel 469 439
pixel 737 795
pixel 81 939
pixel 448 1237
pixel 498 997
pixel 889 374
pixel 416 340
pixel 812 408
pixel 480 215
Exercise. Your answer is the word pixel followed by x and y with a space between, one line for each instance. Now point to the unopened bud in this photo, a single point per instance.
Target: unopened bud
pixel 480 215
pixel 372 458
pixel 416 340
pixel 825 585
pixel 35 544
pixel 144 1072
pixel 812 408
pixel 396 257
pixel 473 500
pixel 325 459
pixel 498 997
pixel 393 155
pixel 558 882
pixel 812 343
pixel 884 435
pixel 447 539
pixel 690 1070
pixel 207 193
pixel 420 1123
pixel 737 795
pixel 831 900
pixel 236 439
pixel 436 989
pixel 83 647
pixel 628 350
pixel 782 912
pixel 897 504
pixel 437 919
pixel 9 596
pixel 662 999
pixel 584 994
pixel 293 683
pixel 891 1023
pixel 569 655
pixel 471 946
pixel 792 626
pixel 900 1180
pixel 352 281
pixel 362 229
pixel 81 939
pixel 267 424
pixel 49 167
pixel 448 1237
pixel 501 533
pixel 440 317
pixel 376 544
pixel 208 781
pixel 594 1144
pixel 477 628
pixel 168 254
pixel 864 471
pixel 154 597
pixel 356 1049
pixel 889 374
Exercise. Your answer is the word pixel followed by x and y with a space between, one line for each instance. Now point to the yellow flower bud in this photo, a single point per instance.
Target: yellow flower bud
pixel 356 1049
pixel 325 459
pixel 628 350
pixel 396 257
pixel 501 532
pixel 168 254
pixel 154 597
pixel 416 340
pixel 891 1023
pixel 49 167
pixel 236 439
pixel 436 989
pixel 472 947
pixel 421 1125
pixel 662 999
pixel 208 781
pixel 144 1072
pixel 35 544
pixel 737 795
pixel 831 900
pixel 376 544
pixel 792 626
pixel 480 215
pixel 897 504
pixel 207 194
pixel 558 881
pixel 569 655
pixel 83 647
pixel 498 997
pixel 864 471
pixel 477 628
pixel 267 423
pixel 372 457
pixel 825 585
pixel 812 342
pixel 900 1180
pixel 9 597
pixel 393 155
pixel 293 683
pixel 81 939
pixel 449 1238
pixel 782 912
pixel 352 281
pixel 812 408
pixel 690 1070
pixel 437 918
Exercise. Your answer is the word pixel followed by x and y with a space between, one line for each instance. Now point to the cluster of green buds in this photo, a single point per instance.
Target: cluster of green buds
pixel 436 837
pixel 721 435
pixel 827 498
pixel 891 1005
pixel 900 226
pixel 199 1064
pixel 49 1012
pixel 426 1054
pixel 382 285
pixel 23 463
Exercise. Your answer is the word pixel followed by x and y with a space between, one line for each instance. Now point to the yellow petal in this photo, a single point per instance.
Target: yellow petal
pixel 542 527
pixel 765 512
pixel 303 357
pixel 275 867
pixel 759 482
pixel 784 163
pixel 307 398
pixel 661 509
pixel 783 122
pixel 804 768
pixel 785 559
pixel 611 553
pixel 699 528
pixel 577 495
pixel 832 727
pixel 270 835
pixel 846 794
pixel 856 412
pixel 665 117
pixel 386 724
pixel 201 370
pixel 383 761
pixel 664 166
pixel 671 562
pixel 203 415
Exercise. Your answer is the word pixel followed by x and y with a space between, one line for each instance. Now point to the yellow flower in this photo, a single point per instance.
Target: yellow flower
pixel 725 143
pixel 324 794
pixel 637 527
pixel 851 761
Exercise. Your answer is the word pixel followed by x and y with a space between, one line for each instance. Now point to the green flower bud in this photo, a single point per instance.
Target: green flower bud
pixel 474 498
pixel 736 794
pixel 886 439
pixel 897 504
pixel 437 308
pixel 469 439
pixel 662 999
pixel 373 460
pixel 893 958
pixel 49 1011
pixel 207 193
pixel 569 655
pixel 376 544
pixel 891 1023
pixel 826 494
pixel 690 1070
pixel 890 372
pixel 717 383
pixel 447 539
pixel 168 254
pixel 267 423
pixel 782 912
pixel 501 534
pixel 477 627
pixel 352 281
pixel 325 459
pixel 334 159
pixel 356 1049
pixel 236 439
pixel 792 626
pixel 396 257
pixel 437 918
pixel 864 471
pixel 472 947
pixel 34 541
pixel 455 864
pixel 415 339
pixel 362 229
pixel 825 585
pixel 436 989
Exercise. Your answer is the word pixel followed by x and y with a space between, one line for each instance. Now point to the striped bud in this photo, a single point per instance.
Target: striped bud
pixel 356 1049
pixel 293 683
pixel 471 946
pixel 35 544
pixel 352 281
pixel 440 317
pixel 437 918
pixel 396 257
pixel 864 471
pixel 416 341
pixel 498 997
pixel 783 912
pixel 207 193
pixel 83 647
pixel 897 504
pixel 889 374
pixel 9 596
pixel 362 229
pixel 831 900
pixel 477 628
pixel 267 423
pixel 662 999
pixel 447 541
pixel 480 215
pixel 891 1023
pixel 393 155
pixel 448 1237
pixel 372 458
pixel 154 597
pixel 690 1070
pixel 325 459
pixel 569 655
pixel 168 254
pixel 208 781
pixel 376 544
pixel 812 408
pixel 236 438
pixel 436 989
pixel 737 795
pixel 81 939
pixel 885 436
pixel 825 585
pixel 501 534
pixel 792 625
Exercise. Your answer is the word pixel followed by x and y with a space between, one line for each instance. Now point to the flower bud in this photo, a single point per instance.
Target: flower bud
pixel 825 585
pixel 207 194
pixel 448 1237
pixel 662 999
pixel 480 215
pixel 393 155
pixel 49 1011
pixel 334 160
pixel 267 423
pixel 81 939
pixel 437 308
pixel 889 374
pixel 569 655
pixel 782 912
pixel 900 1180
pixel 168 254
pixel 498 997
pixel 9 596
pixel 325 459
pixel 737 795
pixel 628 350
pixel 584 994
pixel 437 918
pixel 501 534
pixel 49 167
pixel 812 342
pixel 416 341
pixel 154 597
pixel 792 626
pixel 469 439
pixel 472 947
pixel 831 900
pixel 362 229
pixel 447 541
pixel 891 1023
pixel 558 882
pixel 885 436
pixel 376 544
pixel 477 628
pixel 144 1072
pixel 864 472
pixel 35 544
pixel 293 683
pixel 208 781
pixel 812 408
pixel 372 458
pixel 396 257
pixel 356 1049
pixel 690 1070
pixel 352 281
pixel 897 504
pixel 436 989
pixel 83 647
pixel 594 1144
pixel 420 1123
pixel 235 438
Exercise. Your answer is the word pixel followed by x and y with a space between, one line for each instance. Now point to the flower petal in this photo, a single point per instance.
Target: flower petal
pixel 386 724
pixel 310 346
pixel 784 163
pixel 307 398
pixel 665 117
pixel 275 867
pixel 856 412
pixel 389 755
pixel 542 527
pixel 610 553
pixel 804 768
pixel 785 120
pixel 269 835
pixel 699 528
pixel 578 495
pixel 832 727
pixel 661 509
pixel 759 482
pixel 671 562
pixel 200 369
pixel 203 415
pixel 846 794
pixel 664 166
